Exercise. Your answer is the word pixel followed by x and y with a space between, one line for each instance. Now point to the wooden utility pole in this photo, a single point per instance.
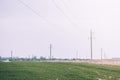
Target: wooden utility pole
pixel 91 44
pixel 50 51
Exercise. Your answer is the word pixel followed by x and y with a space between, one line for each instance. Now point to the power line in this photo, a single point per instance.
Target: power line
pixel 64 4
pixel 63 13
pixel 71 12
pixel 67 7
pixel 35 12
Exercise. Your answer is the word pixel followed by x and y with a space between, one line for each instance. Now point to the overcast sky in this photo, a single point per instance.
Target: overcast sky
pixel 28 27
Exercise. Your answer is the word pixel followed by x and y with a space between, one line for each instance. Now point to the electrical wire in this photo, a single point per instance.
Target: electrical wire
pixel 63 13
pixel 67 7
pixel 35 12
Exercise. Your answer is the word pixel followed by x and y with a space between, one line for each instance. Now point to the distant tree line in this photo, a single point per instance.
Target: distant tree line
pixel 34 58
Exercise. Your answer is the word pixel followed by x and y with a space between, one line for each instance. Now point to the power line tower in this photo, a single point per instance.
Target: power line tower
pixel 91 44
pixel 50 51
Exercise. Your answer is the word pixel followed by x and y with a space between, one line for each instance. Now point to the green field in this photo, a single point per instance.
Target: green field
pixel 57 71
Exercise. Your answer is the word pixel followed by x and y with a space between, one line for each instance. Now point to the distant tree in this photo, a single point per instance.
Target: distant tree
pixel 34 58
pixel 42 58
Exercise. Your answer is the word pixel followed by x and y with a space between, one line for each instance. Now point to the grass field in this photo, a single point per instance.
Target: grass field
pixel 57 71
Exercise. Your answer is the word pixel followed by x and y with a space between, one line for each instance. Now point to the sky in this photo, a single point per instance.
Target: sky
pixel 28 27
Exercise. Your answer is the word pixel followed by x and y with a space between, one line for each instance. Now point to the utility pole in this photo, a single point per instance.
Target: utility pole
pixel 101 53
pixel 11 55
pixel 76 55
pixel 105 56
pixel 50 51
pixel 91 37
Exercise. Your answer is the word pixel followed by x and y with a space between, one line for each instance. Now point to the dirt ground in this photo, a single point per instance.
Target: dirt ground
pixel 105 61
pixel 94 61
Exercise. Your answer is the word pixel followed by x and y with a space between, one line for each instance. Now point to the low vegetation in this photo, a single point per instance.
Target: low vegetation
pixel 57 71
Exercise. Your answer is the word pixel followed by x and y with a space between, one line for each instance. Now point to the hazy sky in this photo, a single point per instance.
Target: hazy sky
pixel 28 27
